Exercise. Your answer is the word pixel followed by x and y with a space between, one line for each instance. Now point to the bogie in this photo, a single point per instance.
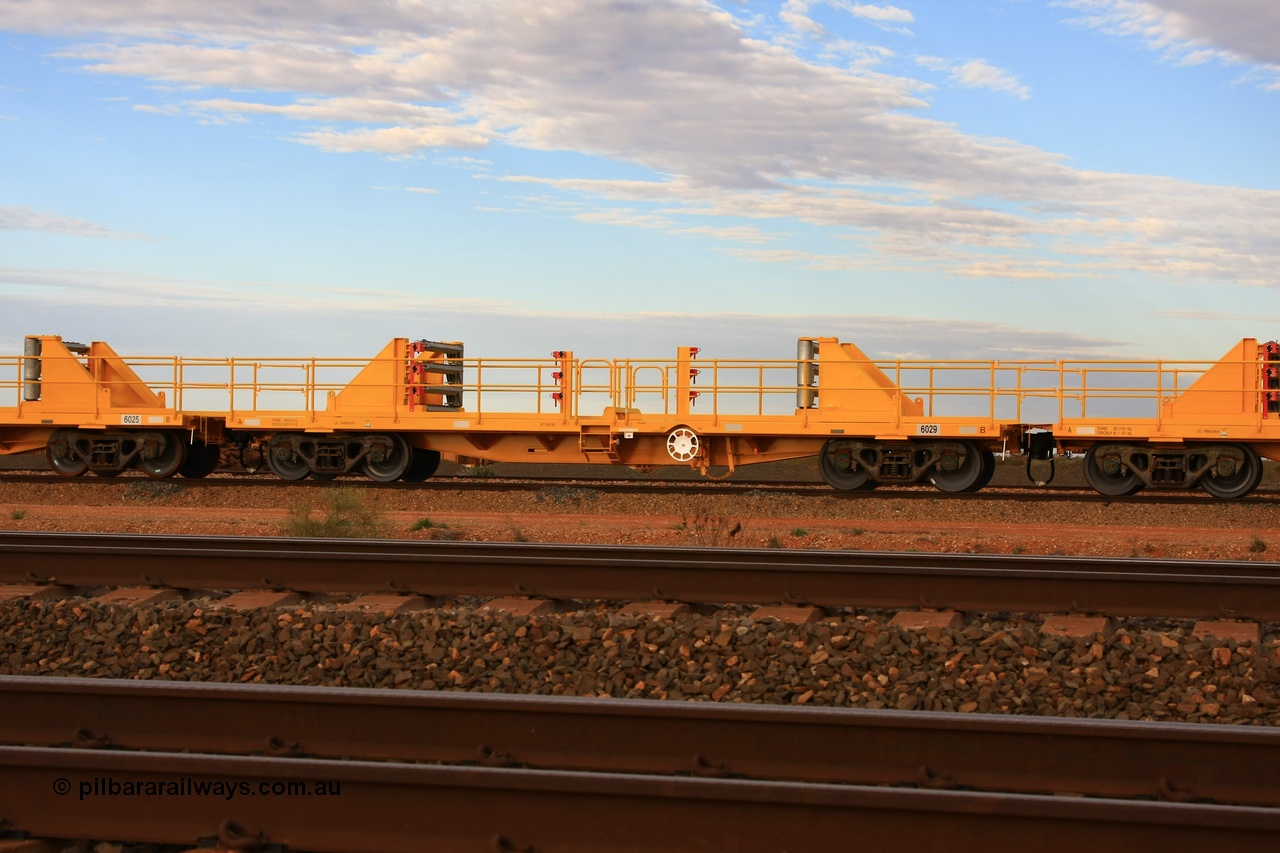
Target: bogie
pixel 951 466
pixel 1223 470
pixel 157 453
pixel 383 457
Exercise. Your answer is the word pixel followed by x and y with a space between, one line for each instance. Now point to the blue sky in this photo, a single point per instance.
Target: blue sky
pixel 997 179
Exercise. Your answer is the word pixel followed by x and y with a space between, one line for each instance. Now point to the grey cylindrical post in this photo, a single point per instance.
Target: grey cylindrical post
pixel 806 371
pixel 31 370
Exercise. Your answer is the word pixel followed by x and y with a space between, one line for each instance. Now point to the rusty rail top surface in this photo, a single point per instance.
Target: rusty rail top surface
pixel 1183 762
pixel 991 583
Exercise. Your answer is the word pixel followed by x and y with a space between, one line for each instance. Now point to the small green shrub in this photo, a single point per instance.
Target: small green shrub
pixel 19 514
pixel 342 513
pixel 800 531
pixel 1257 546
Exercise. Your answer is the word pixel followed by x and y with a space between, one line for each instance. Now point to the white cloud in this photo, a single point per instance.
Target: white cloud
pixel 20 218
pixel 394 141
pixel 978 74
pixel 1247 28
pixel 1193 32
pixel 198 313
pixel 879 14
pixel 741 135
pixel 795 14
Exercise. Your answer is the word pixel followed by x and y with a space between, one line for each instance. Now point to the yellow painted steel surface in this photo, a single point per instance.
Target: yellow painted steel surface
pixel 625 411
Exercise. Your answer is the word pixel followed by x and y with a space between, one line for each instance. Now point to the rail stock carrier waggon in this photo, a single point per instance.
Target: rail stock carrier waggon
pixel 870 422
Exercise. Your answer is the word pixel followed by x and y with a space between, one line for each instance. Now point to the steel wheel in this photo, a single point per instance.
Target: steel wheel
pixel 988 460
pixel 1236 479
pixel 967 474
pixel 1108 475
pixel 167 460
pixel 286 464
pixel 202 459
pixel 394 465
pixel 841 470
pixel 62 457
pixel 424 464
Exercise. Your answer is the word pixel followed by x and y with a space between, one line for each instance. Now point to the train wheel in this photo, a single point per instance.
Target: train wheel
pixel 202 460
pixel 964 475
pixel 1108 475
pixel 1232 478
pixel 286 464
pixel 166 461
pixel 841 471
pixel 683 444
pixel 393 465
pixel 424 464
pixel 988 470
pixel 62 458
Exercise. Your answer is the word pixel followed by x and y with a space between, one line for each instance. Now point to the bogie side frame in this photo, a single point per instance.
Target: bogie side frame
pixel 392 417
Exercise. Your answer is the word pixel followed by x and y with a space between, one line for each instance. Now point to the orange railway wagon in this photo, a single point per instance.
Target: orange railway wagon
pixel 869 422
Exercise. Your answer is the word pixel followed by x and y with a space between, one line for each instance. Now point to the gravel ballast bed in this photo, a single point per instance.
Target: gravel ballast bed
pixel 1145 670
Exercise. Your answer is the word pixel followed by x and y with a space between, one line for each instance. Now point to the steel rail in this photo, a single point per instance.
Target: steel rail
pixel 376 807
pixel 1099 758
pixel 691 486
pixel 966 582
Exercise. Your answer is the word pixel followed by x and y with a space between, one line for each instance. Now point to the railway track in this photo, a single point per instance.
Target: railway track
pixel 1170 761
pixel 803 488
pixel 515 773
pixel 839 579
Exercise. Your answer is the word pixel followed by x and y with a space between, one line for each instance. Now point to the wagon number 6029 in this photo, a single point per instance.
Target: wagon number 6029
pixel 927 429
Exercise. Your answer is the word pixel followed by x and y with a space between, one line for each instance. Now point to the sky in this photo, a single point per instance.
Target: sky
pixel 926 178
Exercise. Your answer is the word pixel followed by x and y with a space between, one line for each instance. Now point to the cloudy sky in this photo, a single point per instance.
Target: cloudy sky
pixel 928 178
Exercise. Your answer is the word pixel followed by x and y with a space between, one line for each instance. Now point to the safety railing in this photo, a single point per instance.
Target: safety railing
pixel 1023 392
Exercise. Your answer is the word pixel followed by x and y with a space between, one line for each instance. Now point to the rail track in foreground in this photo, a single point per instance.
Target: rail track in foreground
pixel 520 773
pixel 835 579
